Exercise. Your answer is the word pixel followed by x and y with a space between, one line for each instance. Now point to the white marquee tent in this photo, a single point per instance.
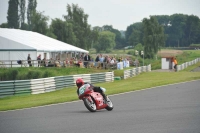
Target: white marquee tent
pixel 16 44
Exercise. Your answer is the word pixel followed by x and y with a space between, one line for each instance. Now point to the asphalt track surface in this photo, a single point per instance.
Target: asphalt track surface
pixel 166 109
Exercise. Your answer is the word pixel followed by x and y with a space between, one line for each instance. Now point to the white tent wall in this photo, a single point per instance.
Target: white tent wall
pixel 4 55
pixel 9 58
pixel 21 55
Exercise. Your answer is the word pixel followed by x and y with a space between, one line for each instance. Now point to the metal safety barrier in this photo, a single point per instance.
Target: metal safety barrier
pixel 135 71
pixel 187 64
pixel 43 85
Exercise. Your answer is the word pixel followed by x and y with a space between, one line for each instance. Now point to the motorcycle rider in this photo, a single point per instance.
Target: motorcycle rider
pixel 80 82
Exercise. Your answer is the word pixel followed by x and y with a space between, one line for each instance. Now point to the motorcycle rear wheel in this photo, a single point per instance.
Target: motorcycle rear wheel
pixel 110 104
pixel 91 106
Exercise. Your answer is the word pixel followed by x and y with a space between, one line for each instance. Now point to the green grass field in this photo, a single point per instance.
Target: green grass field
pixel 142 81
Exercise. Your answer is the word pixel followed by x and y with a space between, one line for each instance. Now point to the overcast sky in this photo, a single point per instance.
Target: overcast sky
pixel 118 13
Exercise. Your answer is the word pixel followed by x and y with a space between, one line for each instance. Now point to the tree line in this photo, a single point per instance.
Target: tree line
pixel 177 30
pixel 180 30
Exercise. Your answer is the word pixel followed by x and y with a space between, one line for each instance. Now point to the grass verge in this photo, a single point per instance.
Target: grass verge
pixel 142 81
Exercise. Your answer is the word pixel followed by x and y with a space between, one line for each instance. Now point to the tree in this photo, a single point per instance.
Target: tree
pixel 63 30
pixel 94 37
pixel 134 39
pixel 154 37
pixel 134 34
pixel 106 41
pixel 22 4
pixel 4 25
pixel 119 40
pixel 139 47
pixel 181 29
pixel 13 17
pixel 39 22
pixel 77 19
pixel 50 33
pixel 193 28
pixel 176 34
pixel 32 4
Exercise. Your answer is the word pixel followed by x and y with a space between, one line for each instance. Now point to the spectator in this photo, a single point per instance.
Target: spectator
pixel 51 63
pixel 101 59
pixel 82 56
pixel 78 63
pixel 39 60
pixel 105 61
pixel 97 59
pixel 44 61
pixel 113 63
pixel 57 63
pixel 29 60
pixel 71 62
pixel 67 62
pixel 86 60
pixel 92 63
pixel 175 64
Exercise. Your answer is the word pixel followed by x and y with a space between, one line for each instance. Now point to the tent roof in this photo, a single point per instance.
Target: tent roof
pixel 21 40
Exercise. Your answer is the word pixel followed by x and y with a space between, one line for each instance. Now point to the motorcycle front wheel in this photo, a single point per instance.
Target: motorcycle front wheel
pixel 90 105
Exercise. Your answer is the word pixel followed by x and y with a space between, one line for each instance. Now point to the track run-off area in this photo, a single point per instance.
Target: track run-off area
pixel 172 108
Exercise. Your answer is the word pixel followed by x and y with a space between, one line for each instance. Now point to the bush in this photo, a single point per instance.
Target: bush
pixel 47 74
pixel 33 74
pixel 131 52
pixel 13 74
pixel 108 51
pixel 36 75
pixel 29 75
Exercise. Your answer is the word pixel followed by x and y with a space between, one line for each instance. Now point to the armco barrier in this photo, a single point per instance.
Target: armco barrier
pixel 43 85
pixel 60 82
pixel 37 86
pixel 135 71
pixel 109 75
pixel 49 84
pixel 6 88
pixel 94 78
pixel 22 87
pixel 69 81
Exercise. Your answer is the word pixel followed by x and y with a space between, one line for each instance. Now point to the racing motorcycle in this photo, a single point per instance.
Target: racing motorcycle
pixel 93 100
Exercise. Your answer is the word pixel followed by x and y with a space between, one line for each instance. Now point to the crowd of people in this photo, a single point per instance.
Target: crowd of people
pixel 84 61
pixel 106 61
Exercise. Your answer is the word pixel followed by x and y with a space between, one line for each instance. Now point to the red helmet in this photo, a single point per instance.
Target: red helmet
pixel 79 82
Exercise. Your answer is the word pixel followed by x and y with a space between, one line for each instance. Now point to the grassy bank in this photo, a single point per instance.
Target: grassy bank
pixel 142 81
pixel 44 72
